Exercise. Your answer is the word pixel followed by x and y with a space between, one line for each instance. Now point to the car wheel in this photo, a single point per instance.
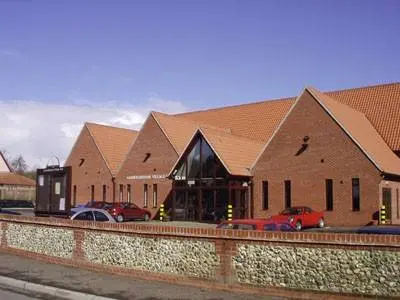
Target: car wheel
pixel 321 223
pixel 120 218
pixel 298 226
pixel 146 217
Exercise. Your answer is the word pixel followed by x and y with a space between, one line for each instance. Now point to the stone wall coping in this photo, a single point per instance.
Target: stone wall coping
pixel 312 238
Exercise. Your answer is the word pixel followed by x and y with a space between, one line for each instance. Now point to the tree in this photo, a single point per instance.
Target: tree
pixel 19 165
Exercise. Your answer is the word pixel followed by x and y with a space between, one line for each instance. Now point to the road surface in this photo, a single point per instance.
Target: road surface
pixel 8 293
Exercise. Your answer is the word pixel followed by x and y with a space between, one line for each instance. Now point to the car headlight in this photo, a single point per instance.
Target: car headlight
pixel 291 219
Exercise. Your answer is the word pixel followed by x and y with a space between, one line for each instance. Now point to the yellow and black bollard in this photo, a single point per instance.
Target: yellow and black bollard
pixel 161 212
pixel 383 215
pixel 229 212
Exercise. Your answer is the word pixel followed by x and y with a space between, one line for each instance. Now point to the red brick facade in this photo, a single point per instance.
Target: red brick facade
pixel 331 154
pixel 93 171
pixel 151 140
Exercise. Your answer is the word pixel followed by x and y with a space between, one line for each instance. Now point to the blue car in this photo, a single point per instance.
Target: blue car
pixel 379 230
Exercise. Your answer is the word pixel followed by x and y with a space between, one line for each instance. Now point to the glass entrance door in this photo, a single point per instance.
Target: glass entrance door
pixel 192 205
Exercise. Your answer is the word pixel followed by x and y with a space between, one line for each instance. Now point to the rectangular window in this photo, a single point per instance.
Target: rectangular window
pixel 121 193
pixel 128 193
pixel 92 193
pixel 145 200
pixel 154 195
pixel 329 194
pixel 74 196
pixel 104 193
pixel 355 183
pixel 288 194
pixel 265 194
pixel 398 208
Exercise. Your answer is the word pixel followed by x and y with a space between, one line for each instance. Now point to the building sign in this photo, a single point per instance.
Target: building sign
pixel 141 177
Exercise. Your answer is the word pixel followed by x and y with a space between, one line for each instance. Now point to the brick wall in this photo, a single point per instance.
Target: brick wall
pixel 151 140
pixel 273 263
pixel 330 155
pixel 93 171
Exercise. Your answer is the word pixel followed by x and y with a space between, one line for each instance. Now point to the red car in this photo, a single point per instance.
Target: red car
pixel 300 217
pixel 128 211
pixel 256 224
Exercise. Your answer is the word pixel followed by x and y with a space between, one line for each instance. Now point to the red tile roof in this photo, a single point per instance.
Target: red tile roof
pixel 258 121
pixel 235 152
pixel 361 131
pixel 112 142
pixel 15 179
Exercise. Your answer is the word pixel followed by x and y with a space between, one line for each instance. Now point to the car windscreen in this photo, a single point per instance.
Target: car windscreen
pixel 291 211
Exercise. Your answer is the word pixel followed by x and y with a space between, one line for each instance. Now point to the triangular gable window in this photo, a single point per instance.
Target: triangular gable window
pixel 199 161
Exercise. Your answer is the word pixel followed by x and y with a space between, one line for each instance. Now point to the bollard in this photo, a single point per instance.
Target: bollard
pixel 383 214
pixel 161 212
pixel 229 212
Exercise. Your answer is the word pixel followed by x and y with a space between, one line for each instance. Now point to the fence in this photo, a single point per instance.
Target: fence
pixel 17 193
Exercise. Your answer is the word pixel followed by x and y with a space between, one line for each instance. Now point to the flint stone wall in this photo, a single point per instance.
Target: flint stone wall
pixel 57 242
pixel 335 270
pixel 193 258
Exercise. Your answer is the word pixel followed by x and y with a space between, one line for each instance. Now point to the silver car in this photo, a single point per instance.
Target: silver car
pixel 92 214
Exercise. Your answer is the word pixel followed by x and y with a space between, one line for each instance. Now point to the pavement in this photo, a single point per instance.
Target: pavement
pixel 64 282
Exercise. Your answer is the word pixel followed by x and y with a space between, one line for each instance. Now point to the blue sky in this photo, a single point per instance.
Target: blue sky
pixel 184 55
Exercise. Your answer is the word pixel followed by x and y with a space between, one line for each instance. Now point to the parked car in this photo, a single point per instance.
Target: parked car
pixel 99 204
pixel 381 229
pixel 244 224
pixel 128 211
pixel 9 212
pixel 279 226
pixel 92 214
pixel 300 217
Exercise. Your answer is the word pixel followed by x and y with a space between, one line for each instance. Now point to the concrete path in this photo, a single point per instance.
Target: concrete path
pixel 57 278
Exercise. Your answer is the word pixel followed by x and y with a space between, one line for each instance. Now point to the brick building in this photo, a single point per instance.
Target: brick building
pixel 95 158
pixel 335 151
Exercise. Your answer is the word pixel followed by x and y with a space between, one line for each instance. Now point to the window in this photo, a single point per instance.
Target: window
pixel 74 196
pixel 355 182
pixel 104 193
pixel 128 193
pixel 398 208
pixel 208 160
pixel 121 193
pixel 288 192
pixel 154 195
pixel 85 216
pixel 100 217
pixel 92 193
pixel 329 194
pixel 193 162
pixel 265 194
pixel 145 200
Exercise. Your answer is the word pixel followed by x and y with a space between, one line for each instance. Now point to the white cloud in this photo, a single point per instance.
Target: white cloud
pixel 9 52
pixel 39 130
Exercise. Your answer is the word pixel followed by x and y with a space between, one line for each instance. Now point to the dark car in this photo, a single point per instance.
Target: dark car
pixel 379 230
pixel 128 211
pixel 279 226
pixel 9 212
